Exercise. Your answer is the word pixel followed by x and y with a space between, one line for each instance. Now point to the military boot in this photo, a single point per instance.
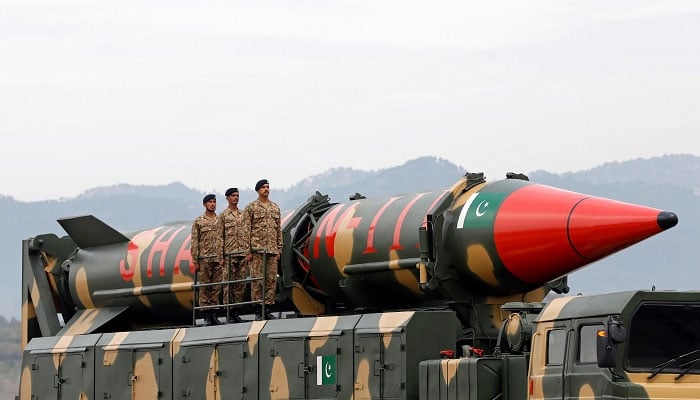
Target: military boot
pixel 210 319
pixel 234 318
pixel 259 315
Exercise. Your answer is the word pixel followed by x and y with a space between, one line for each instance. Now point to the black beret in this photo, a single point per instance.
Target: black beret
pixel 231 191
pixel 260 183
pixel 208 197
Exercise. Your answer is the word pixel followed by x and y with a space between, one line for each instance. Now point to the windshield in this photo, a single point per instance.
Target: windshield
pixel 664 337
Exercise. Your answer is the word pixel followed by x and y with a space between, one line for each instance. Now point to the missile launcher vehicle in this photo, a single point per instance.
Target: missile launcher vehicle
pixel 436 294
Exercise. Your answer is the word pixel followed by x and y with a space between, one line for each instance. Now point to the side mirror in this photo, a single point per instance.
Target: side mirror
pixel 605 350
pixel 616 331
pixel 606 341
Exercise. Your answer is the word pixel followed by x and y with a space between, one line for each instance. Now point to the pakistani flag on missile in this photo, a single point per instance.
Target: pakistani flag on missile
pixel 480 210
pixel 325 370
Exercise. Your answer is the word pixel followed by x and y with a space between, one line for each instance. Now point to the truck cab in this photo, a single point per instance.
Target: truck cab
pixel 624 345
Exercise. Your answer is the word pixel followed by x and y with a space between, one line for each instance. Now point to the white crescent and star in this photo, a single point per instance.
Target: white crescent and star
pixel 328 369
pixel 479 211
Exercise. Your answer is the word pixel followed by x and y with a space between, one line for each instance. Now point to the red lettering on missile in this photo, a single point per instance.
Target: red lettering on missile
pixel 132 253
pixel 331 226
pixel 127 267
pixel 370 233
pixel 399 222
pixel 326 223
pixel 160 246
pixel 183 255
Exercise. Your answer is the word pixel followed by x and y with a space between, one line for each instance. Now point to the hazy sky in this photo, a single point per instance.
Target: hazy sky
pixel 221 93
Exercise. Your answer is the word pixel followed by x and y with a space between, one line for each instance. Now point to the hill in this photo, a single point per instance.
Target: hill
pixel 668 182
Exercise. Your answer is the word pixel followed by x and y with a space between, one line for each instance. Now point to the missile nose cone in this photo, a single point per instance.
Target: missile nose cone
pixel 599 227
pixel 542 233
pixel 666 220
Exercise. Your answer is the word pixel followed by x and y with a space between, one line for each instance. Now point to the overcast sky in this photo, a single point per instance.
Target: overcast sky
pixel 221 93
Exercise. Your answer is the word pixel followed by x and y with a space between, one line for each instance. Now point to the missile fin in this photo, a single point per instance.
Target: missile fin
pixel 88 231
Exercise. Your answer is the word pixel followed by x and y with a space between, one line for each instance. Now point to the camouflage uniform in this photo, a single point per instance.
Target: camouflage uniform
pixel 207 252
pixel 235 251
pixel 262 225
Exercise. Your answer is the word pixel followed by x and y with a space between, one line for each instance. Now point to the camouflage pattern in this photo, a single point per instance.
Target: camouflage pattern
pixel 107 287
pixel 217 362
pixel 206 239
pixel 257 261
pixel 210 272
pixel 236 269
pixel 262 225
pixel 370 356
pixel 125 302
pixel 673 329
pixel 368 254
pixel 207 250
pixel 235 251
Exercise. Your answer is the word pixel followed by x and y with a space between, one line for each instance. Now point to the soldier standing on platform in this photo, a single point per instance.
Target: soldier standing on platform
pixel 206 248
pixel 262 225
pixel 235 251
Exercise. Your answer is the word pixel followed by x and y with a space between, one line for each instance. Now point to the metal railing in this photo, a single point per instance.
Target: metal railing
pixel 229 284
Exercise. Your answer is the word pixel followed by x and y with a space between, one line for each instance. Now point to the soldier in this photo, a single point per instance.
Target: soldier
pixel 206 249
pixel 235 251
pixel 262 225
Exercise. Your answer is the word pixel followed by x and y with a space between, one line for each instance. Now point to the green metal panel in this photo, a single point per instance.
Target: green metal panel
pixel 462 379
pixel 322 381
pixel 484 377
pixel 515 374
pixel 232 370
pixel 389 347
pixel 114 373
pixel 367 359
pixel 393 370
pixel 134 365
pixel 431 386
pixel 71 379
pixel 289 358
pixel 60 368
pixel 44 374
pixel 192 372
pixel 146 380
pixel 217 360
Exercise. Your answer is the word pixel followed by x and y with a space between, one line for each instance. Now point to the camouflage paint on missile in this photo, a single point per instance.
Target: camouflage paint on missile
pixel 490 239
pixel 149 271
pixel 371 241
pixel 515 235
pixel 499 238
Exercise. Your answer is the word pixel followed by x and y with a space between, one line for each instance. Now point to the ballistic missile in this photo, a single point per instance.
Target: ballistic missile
pixel 466 243
pixel 474 243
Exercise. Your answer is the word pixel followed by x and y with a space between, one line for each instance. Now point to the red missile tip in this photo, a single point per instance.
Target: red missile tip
pixel 542 233
pixel 599 227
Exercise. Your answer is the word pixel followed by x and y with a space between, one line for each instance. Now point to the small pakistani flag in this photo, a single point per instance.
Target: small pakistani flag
pixel 325 370
pixel 480 210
